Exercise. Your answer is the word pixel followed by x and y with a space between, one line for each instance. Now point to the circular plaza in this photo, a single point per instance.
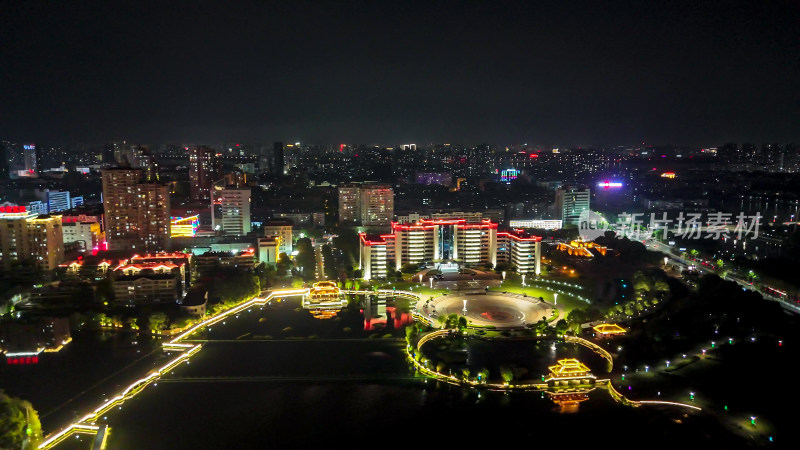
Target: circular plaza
pixel 492 309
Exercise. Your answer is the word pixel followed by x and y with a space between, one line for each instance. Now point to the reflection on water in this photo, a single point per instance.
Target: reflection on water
pixel 378 316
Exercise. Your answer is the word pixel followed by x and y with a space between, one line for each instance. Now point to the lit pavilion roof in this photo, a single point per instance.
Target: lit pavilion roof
pixel 568 367
pixel 609 328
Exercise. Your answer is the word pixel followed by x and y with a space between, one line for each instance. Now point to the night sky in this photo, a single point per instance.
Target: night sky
pixel 385 72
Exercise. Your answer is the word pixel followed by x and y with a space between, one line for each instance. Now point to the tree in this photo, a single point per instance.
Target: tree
pixel 462 323
pixel 98 320
pixel 542 327
pixel 411 333
pixel 330 263
pixel 283 264
pixel 577 317
pixel 265 273
pixel 465 372
pixel 306 258
pixel 561 327
pixel 409 268
pixel 482 375
pixel 506 373
pixel 157 321
pixel 105 291
pixel 503 267
pixel 19 423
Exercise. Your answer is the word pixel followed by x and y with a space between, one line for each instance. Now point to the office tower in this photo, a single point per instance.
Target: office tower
pixel 230 205
pixel 30 237
pixel 349 203
pixel 278 163
pixel 202 172
pixel 136 213
pixel 58 201
pixel 235 205
pixel 570 203
pixel 376 204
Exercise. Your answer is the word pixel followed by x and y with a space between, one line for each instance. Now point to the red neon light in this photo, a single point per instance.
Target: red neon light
pixel 12 209
pixel 341 147
pixel 520 238
pixel 363 237
pixel 534 155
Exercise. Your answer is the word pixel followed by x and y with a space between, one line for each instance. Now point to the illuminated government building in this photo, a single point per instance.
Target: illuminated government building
pixel 468 243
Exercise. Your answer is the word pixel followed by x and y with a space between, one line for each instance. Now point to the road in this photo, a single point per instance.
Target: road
pixel 685 263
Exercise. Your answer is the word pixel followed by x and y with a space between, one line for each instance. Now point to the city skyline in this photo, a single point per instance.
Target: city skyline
pixel 576 74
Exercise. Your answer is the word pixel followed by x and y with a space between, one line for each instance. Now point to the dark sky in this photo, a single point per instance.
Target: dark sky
pixel 387 72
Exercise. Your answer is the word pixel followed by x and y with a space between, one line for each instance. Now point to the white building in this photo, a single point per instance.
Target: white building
pixel 235 204
pixel 268 250
pixel 85 233
pixel 438 240
pixel 282 232
pixel 542 224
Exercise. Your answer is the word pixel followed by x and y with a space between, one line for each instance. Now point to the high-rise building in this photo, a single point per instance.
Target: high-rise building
pixel 121 203
pixel 349 203
pixel 29 152
pixel 235 205
pixel 377 204
pixel 154 217
pixel 278 162
pixel 57 200
pixel 30 237
pixel 367 204
pixel 570 203
pixel 202 172
pixel 137 214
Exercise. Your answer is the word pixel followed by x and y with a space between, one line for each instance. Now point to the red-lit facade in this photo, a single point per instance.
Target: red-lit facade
pixel 474 244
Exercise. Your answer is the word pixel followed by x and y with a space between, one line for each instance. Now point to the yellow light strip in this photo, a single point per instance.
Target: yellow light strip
pixel 138 386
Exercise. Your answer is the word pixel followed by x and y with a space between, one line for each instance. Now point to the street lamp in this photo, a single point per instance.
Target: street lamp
pixel 504 275
pixel 431 280
pixel 523 279
pixel 666 258
pixel 555 298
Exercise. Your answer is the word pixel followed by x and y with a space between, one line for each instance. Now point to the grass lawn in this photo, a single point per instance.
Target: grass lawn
pixel 566 302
